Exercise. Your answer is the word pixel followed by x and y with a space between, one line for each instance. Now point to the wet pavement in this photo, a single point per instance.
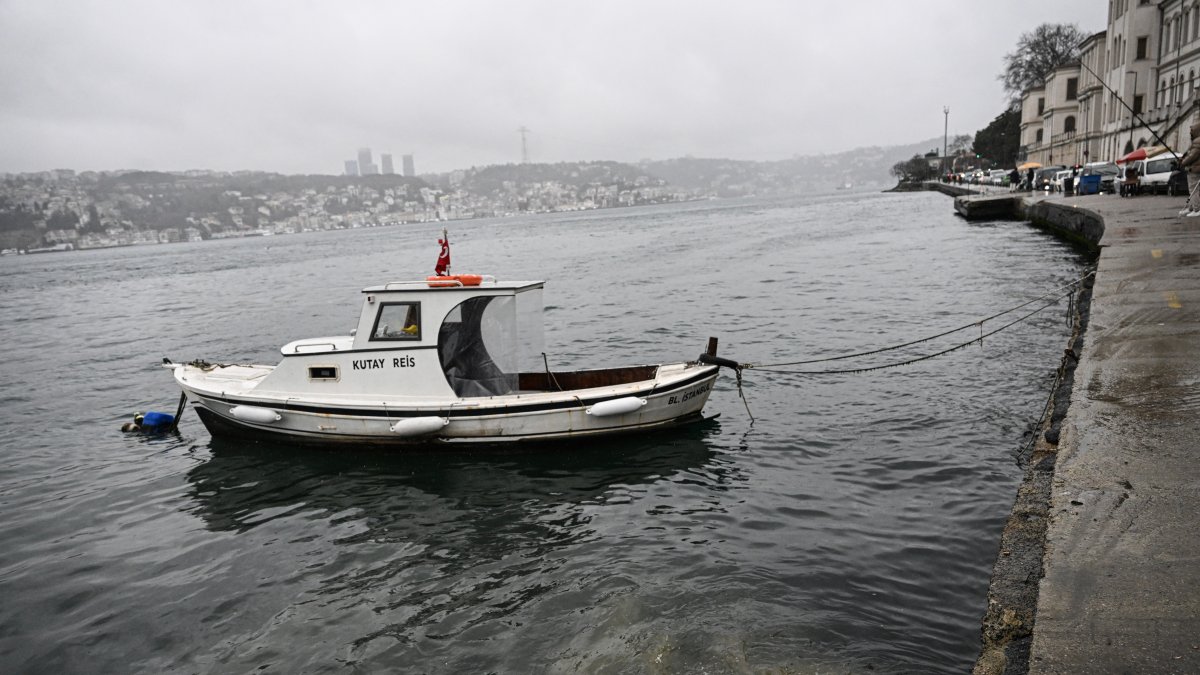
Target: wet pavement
pixel 1121 585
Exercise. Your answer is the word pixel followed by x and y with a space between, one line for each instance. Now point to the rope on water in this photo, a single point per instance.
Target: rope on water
pixel 1057 293
pixel 918 359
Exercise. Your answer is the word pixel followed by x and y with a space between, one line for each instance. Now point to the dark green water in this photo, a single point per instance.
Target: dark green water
pixel 851 527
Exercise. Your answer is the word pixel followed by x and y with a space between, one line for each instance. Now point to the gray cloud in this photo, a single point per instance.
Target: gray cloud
pixel 299 86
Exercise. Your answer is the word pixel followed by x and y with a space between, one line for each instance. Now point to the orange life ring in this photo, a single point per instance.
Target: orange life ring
pixel 454 280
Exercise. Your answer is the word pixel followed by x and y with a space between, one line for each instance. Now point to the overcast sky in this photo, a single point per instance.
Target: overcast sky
pixel 298 87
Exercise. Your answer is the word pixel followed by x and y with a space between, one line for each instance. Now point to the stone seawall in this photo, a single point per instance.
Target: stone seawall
pixel 1007 625
pixel 1069 221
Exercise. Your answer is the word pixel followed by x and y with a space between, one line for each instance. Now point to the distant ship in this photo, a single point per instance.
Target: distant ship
pixel 846 185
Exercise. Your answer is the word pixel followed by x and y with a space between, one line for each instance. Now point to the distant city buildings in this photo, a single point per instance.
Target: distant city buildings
pixel 363 166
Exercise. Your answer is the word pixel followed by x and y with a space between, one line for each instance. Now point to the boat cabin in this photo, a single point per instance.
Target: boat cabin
pixel 418 339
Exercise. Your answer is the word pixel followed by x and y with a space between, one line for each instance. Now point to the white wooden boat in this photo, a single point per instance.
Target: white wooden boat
pixel 439 362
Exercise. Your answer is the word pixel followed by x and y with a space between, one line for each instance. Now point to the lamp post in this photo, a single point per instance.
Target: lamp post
pixel 945 136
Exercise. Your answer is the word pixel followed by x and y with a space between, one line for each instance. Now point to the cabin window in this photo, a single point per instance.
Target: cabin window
pixel 323 373
pixel 398 321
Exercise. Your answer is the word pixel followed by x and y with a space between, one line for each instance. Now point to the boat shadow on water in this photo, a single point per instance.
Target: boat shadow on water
pixel 245 484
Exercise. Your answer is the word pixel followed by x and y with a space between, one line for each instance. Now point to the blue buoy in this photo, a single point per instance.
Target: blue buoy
pixel 150 423
pixel 156 420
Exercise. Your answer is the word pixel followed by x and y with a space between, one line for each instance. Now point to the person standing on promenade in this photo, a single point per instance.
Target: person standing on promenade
pixel 1191 163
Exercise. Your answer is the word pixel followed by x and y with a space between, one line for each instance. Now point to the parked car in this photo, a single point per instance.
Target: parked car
pixel 1060 177
pixel 1156 173
pixel 1042 179
pixel 998 176
pixel 1108 175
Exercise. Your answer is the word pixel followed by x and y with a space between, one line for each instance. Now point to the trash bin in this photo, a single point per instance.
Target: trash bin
pixel 1089 185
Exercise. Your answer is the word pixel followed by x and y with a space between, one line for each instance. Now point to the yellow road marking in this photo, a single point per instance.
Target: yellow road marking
pixel 1156 252
pixel 1173 300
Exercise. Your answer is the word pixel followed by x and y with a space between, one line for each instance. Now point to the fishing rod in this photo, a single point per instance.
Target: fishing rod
pixel 1131 110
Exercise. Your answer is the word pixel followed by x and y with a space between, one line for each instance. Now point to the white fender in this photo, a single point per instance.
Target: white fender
pixel 418 426
pixel 251 413
pixel 618 406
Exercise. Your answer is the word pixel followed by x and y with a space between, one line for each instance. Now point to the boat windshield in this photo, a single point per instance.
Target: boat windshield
pixel 484 341
pixel 471 347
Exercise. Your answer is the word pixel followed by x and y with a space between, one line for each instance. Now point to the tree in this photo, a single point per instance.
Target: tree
pixel 62 219
pixel 1000 140
pixel 1038 53
pixel 93 220
pixel 958 144
pixel 913 170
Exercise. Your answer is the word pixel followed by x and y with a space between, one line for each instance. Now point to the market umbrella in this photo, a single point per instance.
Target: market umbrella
pixel 1141 153
pixel 1029 165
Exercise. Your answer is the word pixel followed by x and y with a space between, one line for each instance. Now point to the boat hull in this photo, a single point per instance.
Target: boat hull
pixel 500 420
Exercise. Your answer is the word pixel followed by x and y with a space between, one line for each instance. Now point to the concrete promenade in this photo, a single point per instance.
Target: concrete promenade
pixel 1121 585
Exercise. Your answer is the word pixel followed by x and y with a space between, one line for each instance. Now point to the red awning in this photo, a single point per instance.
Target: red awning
pixel 1140 153
pixel 1144 153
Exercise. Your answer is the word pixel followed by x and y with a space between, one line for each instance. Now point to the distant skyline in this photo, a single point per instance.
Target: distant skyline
pixel 296 87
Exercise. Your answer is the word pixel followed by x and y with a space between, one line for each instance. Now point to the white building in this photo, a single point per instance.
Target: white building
pixel 1135 85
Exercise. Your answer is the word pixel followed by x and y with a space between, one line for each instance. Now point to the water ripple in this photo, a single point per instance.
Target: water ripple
pixel 851 527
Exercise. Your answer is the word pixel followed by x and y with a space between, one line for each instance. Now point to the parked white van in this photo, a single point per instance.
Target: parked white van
pixel 1156 173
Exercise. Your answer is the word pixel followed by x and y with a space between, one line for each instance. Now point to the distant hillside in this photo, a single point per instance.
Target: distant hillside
pixel 248 181
pixel 864 167
pixel 727 177
pixel 501 178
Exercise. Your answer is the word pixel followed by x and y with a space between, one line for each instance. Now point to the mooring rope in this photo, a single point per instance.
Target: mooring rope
pixel 850 371
pixel 742 394
pixel 1057 293
pixel 1026 452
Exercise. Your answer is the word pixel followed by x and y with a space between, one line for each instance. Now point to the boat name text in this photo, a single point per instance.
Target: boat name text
pixel 373 364
pixel 690 395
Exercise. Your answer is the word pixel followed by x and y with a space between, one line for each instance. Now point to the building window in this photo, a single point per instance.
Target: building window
pixel 1037 138
pixel 1072 88
pixel 1069 124
pixel 1041 106
pixel 1137 104
pixel 1142 44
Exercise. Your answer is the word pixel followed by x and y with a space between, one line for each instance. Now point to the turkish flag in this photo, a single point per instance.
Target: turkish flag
pixel 443 262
